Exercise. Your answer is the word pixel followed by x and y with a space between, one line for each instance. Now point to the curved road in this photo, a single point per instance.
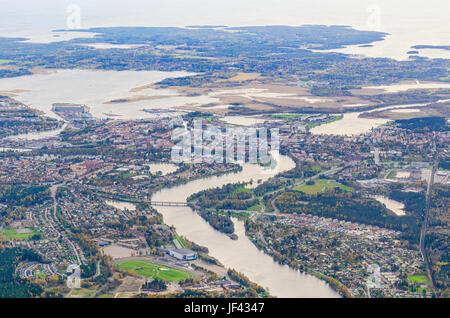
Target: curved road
pixel 53 191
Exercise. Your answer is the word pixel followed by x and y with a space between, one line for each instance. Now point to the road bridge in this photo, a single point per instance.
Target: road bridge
pixel 167 203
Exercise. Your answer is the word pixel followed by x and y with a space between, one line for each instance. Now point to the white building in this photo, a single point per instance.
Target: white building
pixel 183 254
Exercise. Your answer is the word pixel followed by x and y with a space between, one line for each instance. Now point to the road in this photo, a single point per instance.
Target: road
pixel 53 191
pixel 424 229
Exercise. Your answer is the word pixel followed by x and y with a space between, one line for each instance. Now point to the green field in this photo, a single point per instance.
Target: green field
pixel 329 121
pixel 316 168
pixel 320 186
pixel 12 235
pixel 239 215
pixel 5 61
pixel 421 279
pixel 81 293
pixel 285 116
pixel 255 208
pixel 242 189
pixel 392 174
pixel 154 270
pixel 181 240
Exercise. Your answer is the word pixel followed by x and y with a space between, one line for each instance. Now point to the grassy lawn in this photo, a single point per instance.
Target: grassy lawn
pixel 239 215
pixel 392 174
pixel 285 116
pixel 329 121
pixel 242 189
pixel 180 240
pixel 154 270
pixel 420 290
pixel 320 186
pixel 316 168
pixel 81 293
pixel 421 279
pixel 255 208
pixel 4 61
pixel 12 235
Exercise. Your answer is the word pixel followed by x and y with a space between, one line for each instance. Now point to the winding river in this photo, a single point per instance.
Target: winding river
pixel 241 255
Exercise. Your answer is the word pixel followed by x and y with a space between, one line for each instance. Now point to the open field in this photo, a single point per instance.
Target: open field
pixel 286 116
pixel 152 270
pixel 242 189
pixel 242 77
pixel 320 186
pixel 239 215
pixel 335 118
pixel 81 293
pixel 12 234
pixel 255 208
pixel 421 279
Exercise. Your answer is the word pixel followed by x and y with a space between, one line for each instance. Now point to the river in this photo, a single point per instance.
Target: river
pixel 353 124
pixel 241 254
pixel 97 89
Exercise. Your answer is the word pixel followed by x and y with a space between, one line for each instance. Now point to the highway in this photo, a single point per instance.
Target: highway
pixel 424 229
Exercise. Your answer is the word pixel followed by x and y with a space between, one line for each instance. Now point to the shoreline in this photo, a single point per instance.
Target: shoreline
pixel 303 292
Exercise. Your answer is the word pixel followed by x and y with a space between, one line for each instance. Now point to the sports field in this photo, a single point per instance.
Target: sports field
pixel 320 186
pixel 10 234
pixel 421 279
pixel 154 270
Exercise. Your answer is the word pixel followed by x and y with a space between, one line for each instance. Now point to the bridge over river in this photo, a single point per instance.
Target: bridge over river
pixel 160 203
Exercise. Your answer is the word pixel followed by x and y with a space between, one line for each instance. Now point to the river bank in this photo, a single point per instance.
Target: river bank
pixel 241 254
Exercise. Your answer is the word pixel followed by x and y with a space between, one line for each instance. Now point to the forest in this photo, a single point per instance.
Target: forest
pixel 437 239
pixel 226 198
pixel 18 195
pixel 12 286
pixel 220 222
pixel 425 124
